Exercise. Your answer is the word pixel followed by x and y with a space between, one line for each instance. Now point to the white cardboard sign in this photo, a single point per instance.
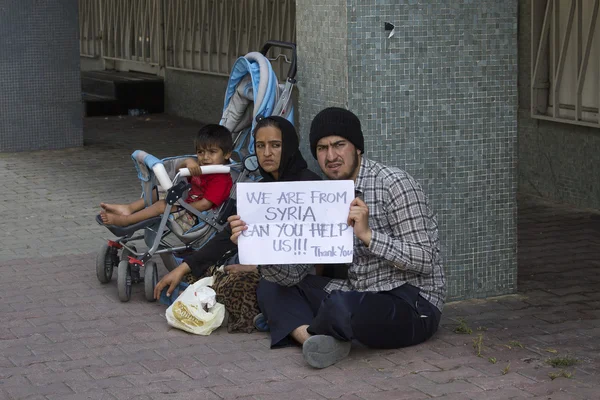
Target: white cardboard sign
pixel 295 222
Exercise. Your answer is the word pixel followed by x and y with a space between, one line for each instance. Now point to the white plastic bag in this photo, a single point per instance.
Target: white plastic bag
pixel 196 309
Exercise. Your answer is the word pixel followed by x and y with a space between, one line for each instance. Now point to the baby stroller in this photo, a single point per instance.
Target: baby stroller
pixel 153 172
pixel 239 115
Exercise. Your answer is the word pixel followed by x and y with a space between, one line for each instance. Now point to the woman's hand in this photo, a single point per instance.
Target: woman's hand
pixel 237 268
pixel 171 279
pixel 237 227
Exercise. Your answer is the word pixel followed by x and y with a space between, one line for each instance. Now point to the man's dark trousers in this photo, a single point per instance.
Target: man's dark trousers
pixel 386 320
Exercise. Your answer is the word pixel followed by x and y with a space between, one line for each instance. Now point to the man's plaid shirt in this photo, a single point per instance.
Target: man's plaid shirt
pixel 404 246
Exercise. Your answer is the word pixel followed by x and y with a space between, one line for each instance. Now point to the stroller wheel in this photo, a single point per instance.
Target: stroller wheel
pixel 150 279
pixel 106 260
pixel 124 280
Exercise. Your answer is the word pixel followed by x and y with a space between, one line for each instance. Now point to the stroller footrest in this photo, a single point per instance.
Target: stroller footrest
pixel 130 229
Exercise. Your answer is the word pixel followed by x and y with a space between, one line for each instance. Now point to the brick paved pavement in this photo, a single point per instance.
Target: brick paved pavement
pixel 50 197
pixel 65 336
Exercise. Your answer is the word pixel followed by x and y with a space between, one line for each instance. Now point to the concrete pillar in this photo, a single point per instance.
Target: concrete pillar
pixel 438 99
pixel 40 89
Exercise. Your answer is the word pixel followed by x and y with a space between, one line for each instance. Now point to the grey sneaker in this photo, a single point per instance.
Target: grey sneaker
pixel 321 351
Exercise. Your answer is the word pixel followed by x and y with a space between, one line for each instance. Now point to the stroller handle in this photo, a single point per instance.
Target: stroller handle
pixel 286 45
pixel 161 173
pixel 155 165
pixel 208 169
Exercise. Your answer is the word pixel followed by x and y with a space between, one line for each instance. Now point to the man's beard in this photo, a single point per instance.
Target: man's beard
pixel 348 175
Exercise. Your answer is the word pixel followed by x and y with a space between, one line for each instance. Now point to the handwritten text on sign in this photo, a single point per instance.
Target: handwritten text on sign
pixel 295 222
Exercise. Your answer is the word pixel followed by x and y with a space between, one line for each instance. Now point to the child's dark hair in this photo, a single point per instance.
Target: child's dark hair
pixel 214 135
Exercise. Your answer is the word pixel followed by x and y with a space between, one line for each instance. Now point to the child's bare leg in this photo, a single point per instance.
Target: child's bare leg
pixel 154 210
pixel 123 209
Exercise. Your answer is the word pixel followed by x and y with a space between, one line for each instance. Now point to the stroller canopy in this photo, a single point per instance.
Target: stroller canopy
pixel 252 90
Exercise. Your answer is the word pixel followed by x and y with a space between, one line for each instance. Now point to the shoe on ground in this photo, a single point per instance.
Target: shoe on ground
pixel 260 323
pixel 321 351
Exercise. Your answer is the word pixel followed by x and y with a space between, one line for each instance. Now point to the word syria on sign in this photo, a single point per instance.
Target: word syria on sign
pixel 295 222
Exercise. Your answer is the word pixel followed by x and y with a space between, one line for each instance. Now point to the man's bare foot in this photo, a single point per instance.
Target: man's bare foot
pixel 118 209
pixel 300 334
pixel 113 219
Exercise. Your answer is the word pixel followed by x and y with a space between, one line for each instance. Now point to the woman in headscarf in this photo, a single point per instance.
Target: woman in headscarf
pixel 277 147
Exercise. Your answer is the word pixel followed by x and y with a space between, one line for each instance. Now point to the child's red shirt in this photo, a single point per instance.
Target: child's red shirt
pixel 212 187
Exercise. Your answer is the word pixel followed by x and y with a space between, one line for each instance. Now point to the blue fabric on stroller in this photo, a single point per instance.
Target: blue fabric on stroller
pixel 252 91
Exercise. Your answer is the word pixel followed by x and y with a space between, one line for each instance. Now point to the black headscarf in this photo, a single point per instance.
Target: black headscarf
pixel 292 166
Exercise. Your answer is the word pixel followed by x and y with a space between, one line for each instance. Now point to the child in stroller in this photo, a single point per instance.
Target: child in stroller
pixel 213 145
pixel 121 253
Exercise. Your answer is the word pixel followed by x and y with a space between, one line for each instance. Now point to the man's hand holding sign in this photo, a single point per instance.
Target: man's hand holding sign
pixel 358 218
pixel 298 222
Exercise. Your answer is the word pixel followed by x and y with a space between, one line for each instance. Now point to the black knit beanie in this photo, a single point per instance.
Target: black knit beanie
pixel 339 122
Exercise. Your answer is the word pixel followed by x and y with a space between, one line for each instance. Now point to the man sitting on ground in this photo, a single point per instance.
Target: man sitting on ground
pixel 395 290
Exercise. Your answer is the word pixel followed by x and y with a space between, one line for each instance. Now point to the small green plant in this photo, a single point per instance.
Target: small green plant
pixel 462 327
pixel 567 361
pixel 560 374
pixel 506 369
pixel 492 360
pixel 514 343
pixel 481 328
pixel 478 344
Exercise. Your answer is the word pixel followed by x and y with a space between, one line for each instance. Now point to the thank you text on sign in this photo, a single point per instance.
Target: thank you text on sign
pixel 295 222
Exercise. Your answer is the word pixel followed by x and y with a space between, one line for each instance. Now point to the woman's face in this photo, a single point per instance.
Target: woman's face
pixel 268 149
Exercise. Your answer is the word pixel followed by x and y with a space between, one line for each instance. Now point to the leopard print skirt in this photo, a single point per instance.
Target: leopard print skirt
pixel 238 293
